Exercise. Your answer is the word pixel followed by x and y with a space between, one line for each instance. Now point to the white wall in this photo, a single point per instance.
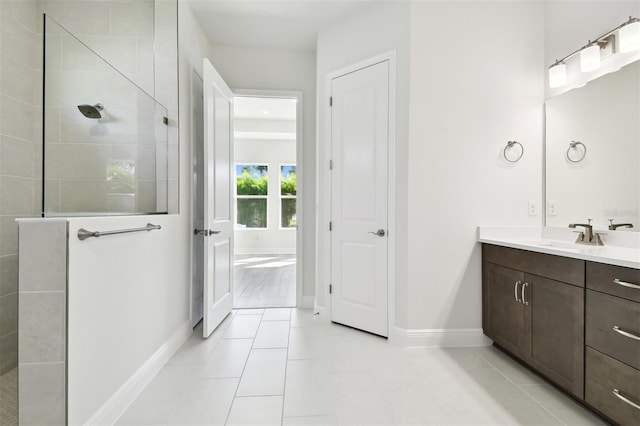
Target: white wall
pixel 570 24
pixel 127 299
pixel 287 70
pixel 382 28
pixel 476 82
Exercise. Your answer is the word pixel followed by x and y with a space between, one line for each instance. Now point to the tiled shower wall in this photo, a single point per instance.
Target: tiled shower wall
pixel 81 152
pixel 20 98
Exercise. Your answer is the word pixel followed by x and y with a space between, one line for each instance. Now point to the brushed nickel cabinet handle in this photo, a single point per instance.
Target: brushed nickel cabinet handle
pixel 626 400
pixel 525 285
pixel 625 333
pixel 626 284
pixel 515 290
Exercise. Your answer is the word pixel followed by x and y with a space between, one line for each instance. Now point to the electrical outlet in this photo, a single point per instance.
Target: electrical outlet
pixel 551 207
pixel 533 208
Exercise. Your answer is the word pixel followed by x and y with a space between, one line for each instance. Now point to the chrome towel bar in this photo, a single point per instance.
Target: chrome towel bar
pixel 83 234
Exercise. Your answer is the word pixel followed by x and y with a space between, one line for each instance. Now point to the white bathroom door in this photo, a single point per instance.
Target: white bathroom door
pixel 359 152
pixel 218 199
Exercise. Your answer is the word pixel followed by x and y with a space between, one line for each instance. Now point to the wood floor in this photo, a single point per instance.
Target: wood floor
pixel 265 281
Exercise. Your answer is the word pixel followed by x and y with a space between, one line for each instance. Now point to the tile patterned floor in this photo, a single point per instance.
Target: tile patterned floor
pixel 9 398
pixel 282 367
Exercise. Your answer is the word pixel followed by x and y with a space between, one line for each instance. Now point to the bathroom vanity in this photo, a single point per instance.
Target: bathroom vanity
pixel 571 313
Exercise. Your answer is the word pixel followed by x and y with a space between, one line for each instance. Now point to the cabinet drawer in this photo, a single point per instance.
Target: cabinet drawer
pixel 603 375
pixel 605 312
pixel 603 278
pixel 557 268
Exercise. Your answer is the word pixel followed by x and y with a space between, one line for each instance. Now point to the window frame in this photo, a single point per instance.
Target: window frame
pixel 286 197
pixel 248 197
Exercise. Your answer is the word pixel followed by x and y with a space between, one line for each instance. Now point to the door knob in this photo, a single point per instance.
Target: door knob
pixel 205 232
pixel 379 233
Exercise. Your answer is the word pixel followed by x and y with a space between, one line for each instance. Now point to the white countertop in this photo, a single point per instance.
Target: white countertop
pixel 620 249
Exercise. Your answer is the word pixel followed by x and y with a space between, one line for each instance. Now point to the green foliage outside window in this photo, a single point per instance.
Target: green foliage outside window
pixel 288 184
pixel 252 212
pixel 288 209
pixel 252 186
pixel 288 191
pixel 253 180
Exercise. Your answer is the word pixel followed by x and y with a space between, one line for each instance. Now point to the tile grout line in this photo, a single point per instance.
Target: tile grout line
pixel 286 367
pixel 196 376
pixel 235 393
pixel 539 403
pixel 522 390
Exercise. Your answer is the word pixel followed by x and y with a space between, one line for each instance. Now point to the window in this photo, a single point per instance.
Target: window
pixel 288 191
pixel 252 182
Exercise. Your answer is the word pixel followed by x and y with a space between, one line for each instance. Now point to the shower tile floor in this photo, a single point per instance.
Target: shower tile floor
pixel 285 367
pixel 265 281
pixel 9 398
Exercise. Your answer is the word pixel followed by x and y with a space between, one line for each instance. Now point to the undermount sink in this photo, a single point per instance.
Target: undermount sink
pixel 562 245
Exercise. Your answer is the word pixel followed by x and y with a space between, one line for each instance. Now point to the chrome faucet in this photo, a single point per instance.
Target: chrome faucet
pixel 614 226
pixel 587 237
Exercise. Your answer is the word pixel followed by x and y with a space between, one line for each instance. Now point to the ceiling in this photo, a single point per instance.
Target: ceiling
pixel 273 24
pixel 264 108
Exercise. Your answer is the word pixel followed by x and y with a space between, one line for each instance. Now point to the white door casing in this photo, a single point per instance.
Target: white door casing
pixel 359 198
pixel 197 198
pixel 218 199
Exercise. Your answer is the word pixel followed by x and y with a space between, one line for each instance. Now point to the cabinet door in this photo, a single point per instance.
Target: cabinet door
pixel 503 314
pixel 554 317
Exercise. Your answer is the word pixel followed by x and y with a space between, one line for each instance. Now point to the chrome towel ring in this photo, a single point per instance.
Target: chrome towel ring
pixel 581 153
pixel 510 144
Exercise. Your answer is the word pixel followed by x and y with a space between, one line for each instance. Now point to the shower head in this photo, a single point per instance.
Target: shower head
pixel 91 111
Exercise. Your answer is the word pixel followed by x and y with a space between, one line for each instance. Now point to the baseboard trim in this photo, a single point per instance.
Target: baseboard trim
pixel 448 337
pixel 308 302
pixel 115 406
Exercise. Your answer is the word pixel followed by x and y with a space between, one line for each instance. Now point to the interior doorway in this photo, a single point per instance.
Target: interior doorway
pixel 267 199
pixel 361 128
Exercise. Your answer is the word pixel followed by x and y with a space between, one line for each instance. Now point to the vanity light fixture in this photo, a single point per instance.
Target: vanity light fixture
pixel 628 35
pixel 590 57
pixel 557 74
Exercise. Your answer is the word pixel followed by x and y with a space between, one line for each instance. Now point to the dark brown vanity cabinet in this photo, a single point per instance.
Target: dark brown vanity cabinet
pixel 613 342
pixel 533 307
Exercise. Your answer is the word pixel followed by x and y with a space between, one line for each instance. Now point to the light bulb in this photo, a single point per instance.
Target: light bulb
pixel 629 37
pixel 557 75
pixel 590 58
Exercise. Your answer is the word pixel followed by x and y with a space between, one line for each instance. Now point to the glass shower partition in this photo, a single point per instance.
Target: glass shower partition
pixel 104 139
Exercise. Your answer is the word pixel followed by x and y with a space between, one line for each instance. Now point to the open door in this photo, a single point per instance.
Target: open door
pixel 218 199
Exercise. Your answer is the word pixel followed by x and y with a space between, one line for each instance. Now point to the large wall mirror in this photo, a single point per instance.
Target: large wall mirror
pixel 593 152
